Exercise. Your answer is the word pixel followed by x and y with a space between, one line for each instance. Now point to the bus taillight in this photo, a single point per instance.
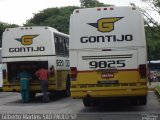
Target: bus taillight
pixel 142 71
pixel 73 73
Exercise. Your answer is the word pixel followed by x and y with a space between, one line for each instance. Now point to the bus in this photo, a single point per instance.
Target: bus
pixel 154 65
pixel 154 70
pixel 108 57
pixel 30 48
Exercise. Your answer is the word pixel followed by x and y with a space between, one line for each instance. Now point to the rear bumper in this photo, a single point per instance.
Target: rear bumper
pixel 33 87
pixel 108 92
pixel 16 88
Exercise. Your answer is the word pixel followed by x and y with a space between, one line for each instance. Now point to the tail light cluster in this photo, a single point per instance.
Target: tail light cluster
pixel 143 71
pixel 74 73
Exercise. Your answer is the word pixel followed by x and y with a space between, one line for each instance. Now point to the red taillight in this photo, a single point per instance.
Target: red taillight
pixel 4 74
pixel 98 9
pixel 111 8
pixel 133 8
pixel 77 11
pixel 142 71
pixel 73 73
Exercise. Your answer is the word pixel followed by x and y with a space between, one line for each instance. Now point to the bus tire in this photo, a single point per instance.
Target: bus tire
pixel 143 100
pixel 68 84
pixel 87 102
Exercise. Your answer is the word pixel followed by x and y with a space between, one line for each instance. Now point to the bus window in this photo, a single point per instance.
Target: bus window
pixel 66 42
pixel 61 45
pixel 56 43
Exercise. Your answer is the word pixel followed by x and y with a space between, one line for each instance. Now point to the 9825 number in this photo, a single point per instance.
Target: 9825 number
pixel 107 64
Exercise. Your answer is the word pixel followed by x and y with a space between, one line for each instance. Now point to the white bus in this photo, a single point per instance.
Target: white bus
pixel 30 48
pixel 108 55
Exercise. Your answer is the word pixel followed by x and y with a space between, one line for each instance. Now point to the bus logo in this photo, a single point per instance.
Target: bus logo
pixel 26 39
pixel 105 24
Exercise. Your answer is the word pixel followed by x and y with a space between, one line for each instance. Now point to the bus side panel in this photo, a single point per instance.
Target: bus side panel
pixel 62 71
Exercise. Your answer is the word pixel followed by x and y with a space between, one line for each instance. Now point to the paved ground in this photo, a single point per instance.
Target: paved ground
pixel 10 103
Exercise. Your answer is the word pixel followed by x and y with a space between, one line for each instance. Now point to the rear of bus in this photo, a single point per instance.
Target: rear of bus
pixel 108 55
pixel 27 48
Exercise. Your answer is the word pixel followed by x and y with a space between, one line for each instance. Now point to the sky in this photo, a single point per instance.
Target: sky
pixel 19 11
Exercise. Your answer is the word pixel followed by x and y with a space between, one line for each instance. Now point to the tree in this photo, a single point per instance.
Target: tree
pixel 150 21
pixel 92 3
pixel 152 27
pixel 57 18
pixel 153 42
pixel 152 5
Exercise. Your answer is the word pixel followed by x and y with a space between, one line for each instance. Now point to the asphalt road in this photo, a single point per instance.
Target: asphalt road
pixel 10 103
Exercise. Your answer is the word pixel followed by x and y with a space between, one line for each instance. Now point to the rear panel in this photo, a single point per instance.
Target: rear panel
pixel 27 41
pixel 107 52
pixel 106 28
pixel 116 66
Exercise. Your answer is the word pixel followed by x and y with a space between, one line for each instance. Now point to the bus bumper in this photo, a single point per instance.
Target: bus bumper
pixel 79 93
pixel 34 87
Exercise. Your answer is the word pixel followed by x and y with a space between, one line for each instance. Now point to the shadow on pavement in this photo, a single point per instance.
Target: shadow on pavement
pixel 37 100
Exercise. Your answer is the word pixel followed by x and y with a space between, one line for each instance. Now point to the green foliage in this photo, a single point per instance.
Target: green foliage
pixel 54 17
pixel 92 3
pixel 153 28
pixel 59 17
pixel 153 41
pixel 156 3
pixel 3 26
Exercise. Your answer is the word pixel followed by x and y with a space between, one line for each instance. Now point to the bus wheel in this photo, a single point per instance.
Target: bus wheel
pixel 87 102
pixel 143 100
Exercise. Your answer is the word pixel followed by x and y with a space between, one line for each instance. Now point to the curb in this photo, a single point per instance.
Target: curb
pixel 151 89
pixel 157 89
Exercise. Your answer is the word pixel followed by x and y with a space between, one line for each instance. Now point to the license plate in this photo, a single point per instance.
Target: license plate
pixel 107 75
pixel 108 82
